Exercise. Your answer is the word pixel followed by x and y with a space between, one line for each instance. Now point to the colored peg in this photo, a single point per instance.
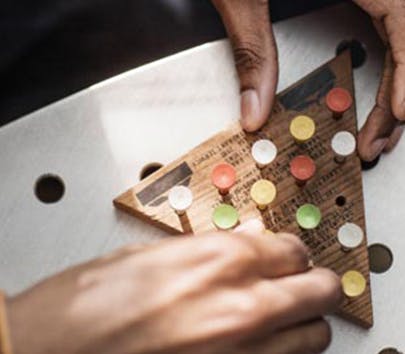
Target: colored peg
pixel 350 236
pixel 180 199
pixel 308 216
pixel 223 177
pixel 354 284
pixel 268 232
pixel 303 169
pixel 264 152
pixel 302 128
pixel 339 100
pixel 225 217
pixel 263 193
pixel 343 145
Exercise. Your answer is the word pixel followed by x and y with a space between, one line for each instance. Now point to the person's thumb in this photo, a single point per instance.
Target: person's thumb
pixel 250 32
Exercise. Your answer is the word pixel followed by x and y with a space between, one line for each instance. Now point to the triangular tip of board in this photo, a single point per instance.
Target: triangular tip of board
pixel 366 323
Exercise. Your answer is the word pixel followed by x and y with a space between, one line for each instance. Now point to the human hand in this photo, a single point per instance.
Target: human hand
pixel 215 293
pixel 384 127
pixel 251 36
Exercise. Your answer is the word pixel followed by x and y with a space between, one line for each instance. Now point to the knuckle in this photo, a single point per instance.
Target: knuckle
pixel 249 311
pixel 383 100
pixel 248 54
pixel 216 245
pixel 234 250
pixel 239 250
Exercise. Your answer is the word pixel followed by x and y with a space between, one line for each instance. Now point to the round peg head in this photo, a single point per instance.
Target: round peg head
pixel 269 232
pixel 223 177
pixel 225 217
pixel 308 216
pixel 263 193
pixel 343 144
pixel 354 283
pixel 339 101
pixel 264 152
pixel 302 128
pixel 180 198
pixel 302 168
pixel 350 236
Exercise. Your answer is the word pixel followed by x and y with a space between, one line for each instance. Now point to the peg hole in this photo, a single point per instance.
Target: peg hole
pixel 340 201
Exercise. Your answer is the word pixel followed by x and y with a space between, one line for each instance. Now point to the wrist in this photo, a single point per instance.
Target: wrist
pixel 5 337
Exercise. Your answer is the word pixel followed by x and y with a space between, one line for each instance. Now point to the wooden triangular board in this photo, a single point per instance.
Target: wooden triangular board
pixel 148 199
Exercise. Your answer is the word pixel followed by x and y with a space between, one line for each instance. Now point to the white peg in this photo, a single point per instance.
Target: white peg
pixel 264 152
pixel 350 236
pixel 343 145
pixel 180 199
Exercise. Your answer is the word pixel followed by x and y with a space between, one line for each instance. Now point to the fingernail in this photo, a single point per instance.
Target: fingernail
pixel 377 146
pixel 250 109
pixel 251 226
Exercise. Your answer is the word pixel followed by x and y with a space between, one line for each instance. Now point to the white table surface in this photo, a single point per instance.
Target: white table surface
pixel 99 140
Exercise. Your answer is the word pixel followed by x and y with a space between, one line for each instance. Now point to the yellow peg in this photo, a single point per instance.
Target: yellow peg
pixel 302 128
pixel 263 193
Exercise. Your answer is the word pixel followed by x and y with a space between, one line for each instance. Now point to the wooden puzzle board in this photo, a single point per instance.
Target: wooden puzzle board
pixel 148 200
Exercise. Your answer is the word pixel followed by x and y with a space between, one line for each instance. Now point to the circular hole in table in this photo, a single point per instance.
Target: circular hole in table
pixel 389 351
pixel 49 188
pixel 150 169
pixel 340 201
pixel 357 49
pixel 381 258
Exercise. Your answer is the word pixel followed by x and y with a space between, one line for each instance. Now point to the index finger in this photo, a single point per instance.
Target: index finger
pixel 262 255
pixel 298 298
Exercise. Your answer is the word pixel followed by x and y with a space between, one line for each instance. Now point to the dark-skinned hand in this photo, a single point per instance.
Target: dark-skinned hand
pixel 255 52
